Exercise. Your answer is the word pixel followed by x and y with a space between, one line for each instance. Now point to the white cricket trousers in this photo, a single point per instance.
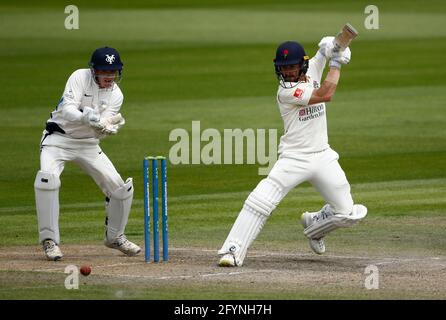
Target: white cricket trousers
pixel 57 150
pixel 322 170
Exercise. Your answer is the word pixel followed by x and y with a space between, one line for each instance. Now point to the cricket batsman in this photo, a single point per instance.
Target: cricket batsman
pixel 87 112
pixel 304 153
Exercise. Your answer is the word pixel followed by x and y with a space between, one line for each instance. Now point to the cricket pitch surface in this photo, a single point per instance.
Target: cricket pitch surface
pixel 193 273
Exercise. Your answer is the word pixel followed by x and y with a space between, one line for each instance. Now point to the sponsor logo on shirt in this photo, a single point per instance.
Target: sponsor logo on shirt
pixel 298 93
pixel 311 112
pixel 69 94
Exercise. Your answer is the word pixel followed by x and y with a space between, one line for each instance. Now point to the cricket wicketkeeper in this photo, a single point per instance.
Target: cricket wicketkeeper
pixel 87 112
pixel 305 154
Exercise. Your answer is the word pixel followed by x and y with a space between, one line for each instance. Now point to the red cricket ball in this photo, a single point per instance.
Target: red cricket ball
pixel 85 270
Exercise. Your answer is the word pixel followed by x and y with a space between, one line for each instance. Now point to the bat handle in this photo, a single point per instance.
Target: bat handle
pixel 344 37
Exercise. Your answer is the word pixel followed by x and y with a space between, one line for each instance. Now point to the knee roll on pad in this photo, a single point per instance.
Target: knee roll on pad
pixel 46 181
pixel 124 192
pixel 265 197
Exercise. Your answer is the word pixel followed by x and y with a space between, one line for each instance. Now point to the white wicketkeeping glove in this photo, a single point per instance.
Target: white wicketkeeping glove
pixel 340 58
pixel 326 47
pixel 101 107
pixel 112 124
pixel 91 117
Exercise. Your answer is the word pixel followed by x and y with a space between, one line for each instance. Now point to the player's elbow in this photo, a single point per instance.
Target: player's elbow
pixel 328 97
pixel 322 95
pixel 320 99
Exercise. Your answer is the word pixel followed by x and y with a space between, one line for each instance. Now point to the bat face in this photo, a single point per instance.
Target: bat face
pixel 344 37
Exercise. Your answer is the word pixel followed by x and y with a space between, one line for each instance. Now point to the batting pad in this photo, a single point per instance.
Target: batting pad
pixel 256 210
pixel 245 229
pixel 46 188
pixel 330 222
pixel 118 210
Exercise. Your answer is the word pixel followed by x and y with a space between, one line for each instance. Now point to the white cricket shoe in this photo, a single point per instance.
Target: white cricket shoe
pixel 317 245
pixel 228 260
pixel 122 244
pixel 52 250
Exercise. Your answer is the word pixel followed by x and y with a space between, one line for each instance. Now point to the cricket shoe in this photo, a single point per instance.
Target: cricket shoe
pixel 307 219
pixel 52 250
pixel 228 260
pixel 122 244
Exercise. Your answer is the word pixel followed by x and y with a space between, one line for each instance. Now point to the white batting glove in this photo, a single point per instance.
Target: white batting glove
pixel 340 58
pixel 326 47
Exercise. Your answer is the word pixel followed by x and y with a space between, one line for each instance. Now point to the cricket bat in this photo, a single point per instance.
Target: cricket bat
pixel 344 37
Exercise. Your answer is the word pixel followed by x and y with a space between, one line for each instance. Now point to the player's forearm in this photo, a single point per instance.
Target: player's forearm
pixel 330 83
pixel 71 113
pixel 328 87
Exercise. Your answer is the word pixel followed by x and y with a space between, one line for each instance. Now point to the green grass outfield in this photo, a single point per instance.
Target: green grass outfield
pixel 212 61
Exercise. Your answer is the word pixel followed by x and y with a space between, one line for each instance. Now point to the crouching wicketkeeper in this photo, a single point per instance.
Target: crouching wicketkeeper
pixel 87 112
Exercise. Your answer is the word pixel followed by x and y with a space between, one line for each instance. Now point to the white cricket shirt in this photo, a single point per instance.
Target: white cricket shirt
pixel 82 91
pixel 305 125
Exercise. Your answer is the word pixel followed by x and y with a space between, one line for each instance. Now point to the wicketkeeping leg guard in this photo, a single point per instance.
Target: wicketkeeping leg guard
pixel 46 187
pixel 326 221
pixel 118 210
pixel 256 210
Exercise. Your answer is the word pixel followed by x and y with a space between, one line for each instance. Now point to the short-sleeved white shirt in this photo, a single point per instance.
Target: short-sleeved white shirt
pixel 305 125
